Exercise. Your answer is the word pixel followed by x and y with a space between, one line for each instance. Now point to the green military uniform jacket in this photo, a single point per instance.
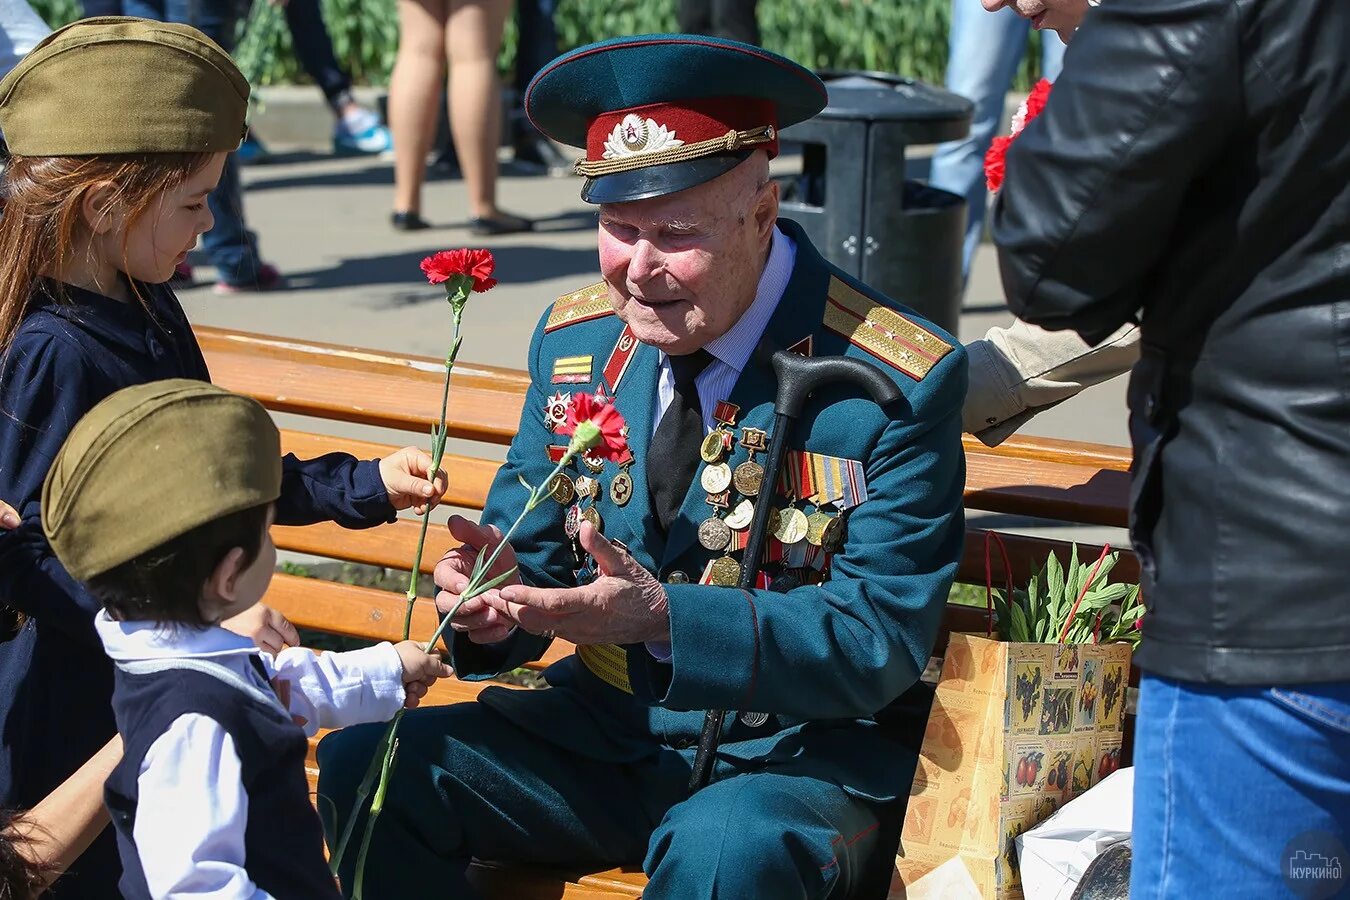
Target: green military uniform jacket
pixel 823 661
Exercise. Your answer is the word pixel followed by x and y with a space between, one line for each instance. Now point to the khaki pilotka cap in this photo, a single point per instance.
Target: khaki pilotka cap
pixel 149 464
pixel 116 84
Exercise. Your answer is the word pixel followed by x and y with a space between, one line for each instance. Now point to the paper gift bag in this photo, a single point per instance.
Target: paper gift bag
pixel 1016 730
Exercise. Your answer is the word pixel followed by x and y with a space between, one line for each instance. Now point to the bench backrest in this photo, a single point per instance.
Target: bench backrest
pixel 1064 481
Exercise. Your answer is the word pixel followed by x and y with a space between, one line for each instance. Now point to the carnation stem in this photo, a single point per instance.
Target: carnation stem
pixel 382 761
pixel 437 454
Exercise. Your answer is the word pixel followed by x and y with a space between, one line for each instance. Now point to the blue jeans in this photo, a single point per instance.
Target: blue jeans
pixel 229 245
pixel 985 50
pixel 1236 786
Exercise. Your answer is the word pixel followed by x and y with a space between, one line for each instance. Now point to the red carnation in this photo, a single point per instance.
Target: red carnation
pixel 597 427
pixel 476 264
pixel 994 159
pixel 1036 100
pixel 994 162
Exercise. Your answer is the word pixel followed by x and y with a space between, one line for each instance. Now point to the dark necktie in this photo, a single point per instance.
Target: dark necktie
pixel 673 457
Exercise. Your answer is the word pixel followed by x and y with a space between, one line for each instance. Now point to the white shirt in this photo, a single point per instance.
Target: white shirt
pixel 193 808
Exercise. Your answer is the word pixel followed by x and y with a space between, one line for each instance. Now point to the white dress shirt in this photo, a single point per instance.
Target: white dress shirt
pixel 193 808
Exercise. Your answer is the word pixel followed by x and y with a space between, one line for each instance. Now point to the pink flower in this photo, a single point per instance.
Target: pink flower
pixel 476 264
pixel 598 427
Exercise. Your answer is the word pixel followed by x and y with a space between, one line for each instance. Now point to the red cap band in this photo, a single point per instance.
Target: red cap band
pixel 685 121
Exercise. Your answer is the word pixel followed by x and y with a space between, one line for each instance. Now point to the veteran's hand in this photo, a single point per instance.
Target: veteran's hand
pixel 266 627
pixel 9 518
pixel 408 480
pixel 625 605
pixel 482 623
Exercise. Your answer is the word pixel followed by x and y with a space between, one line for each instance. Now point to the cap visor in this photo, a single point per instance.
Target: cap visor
pixel 657 181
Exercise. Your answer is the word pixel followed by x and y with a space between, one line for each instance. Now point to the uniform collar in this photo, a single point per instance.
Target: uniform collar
pixel 123 323
pixel 735 346
pixel 130 641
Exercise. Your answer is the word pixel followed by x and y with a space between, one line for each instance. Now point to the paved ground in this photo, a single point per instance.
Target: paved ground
pixel 354 280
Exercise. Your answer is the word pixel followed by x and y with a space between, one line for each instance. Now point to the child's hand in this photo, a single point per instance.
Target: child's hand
pixel 420 671
pixel 407 479
pixel 9 519
pixel 266 627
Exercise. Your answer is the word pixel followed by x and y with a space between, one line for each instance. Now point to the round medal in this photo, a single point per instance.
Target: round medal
pixel 832 538
pixel 711 449
pixel 791 526
pixel 592 515
pixel 561 489
pixel 677 577
pixel 714 534
pixel 749 478
pixel 621 488
pixel 726 572
pixel 816 524
pixel 754 719
pixel 740 516
pixel 716 478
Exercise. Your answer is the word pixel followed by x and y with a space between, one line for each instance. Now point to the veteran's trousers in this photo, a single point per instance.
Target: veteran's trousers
pixel 470 783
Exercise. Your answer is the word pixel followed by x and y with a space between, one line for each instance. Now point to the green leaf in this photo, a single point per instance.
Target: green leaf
pixel 1054 579
pixel 1020 631
pixel 487 586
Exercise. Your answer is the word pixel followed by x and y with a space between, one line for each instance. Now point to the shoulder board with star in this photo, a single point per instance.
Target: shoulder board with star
pixel 881 331
pixel 579 306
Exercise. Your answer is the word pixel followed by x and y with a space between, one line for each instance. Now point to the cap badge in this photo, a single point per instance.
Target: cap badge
pixel 635 135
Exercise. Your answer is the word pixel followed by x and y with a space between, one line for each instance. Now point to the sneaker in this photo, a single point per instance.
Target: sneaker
pixel 253 152
pixel 361 134
pixel 269 279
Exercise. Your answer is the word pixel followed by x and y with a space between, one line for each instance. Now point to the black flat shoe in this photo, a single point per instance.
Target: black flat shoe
pixel 502 223
pixel 408 221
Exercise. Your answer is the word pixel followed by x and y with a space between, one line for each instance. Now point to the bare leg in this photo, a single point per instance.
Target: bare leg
pixel 414 92
pixel 473 39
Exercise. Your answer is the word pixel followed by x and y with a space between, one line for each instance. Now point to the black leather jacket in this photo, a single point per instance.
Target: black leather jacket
pixel 1192 169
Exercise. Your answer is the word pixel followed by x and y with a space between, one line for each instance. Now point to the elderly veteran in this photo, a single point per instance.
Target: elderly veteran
pixel 699 271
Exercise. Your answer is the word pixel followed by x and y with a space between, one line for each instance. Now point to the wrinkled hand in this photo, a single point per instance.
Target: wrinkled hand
pixel 9 518
pixel 420 671
pixel 407 480
pixel 482 623
pixel 266 627
pixel 625 605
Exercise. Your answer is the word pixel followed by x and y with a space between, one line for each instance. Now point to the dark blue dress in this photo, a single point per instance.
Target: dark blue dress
pixel 55 681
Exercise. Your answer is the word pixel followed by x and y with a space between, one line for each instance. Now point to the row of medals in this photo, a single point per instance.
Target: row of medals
pixel 789 525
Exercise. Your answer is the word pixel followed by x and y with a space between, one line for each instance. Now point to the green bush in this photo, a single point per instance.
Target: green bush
pixel 908 37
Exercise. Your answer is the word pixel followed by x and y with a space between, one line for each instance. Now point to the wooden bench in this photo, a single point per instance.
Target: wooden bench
pixel 1060 481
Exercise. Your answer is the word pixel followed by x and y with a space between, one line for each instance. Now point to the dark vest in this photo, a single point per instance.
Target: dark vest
pixel 283 840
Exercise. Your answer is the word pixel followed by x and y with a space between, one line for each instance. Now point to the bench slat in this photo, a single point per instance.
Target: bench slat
pixel 350 384
pixel 470 477
pixel 363 612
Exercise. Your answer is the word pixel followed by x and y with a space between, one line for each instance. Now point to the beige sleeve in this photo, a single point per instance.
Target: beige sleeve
pixel 1016 372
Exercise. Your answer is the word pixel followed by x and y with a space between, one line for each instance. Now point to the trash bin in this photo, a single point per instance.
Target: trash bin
pixel 897 234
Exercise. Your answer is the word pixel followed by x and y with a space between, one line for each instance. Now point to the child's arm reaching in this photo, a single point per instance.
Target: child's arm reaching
pixel 334 690
pixel 191 814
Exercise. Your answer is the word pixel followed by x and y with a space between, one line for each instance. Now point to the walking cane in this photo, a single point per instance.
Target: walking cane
pixel 798 378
